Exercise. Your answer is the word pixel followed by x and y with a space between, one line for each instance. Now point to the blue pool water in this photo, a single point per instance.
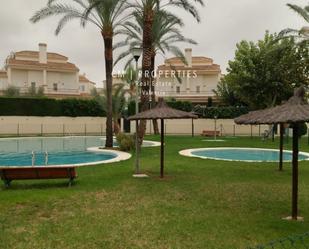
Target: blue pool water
pixel 67 150
pixel 240 154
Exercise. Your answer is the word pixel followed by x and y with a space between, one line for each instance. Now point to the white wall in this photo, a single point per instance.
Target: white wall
pixel 226 126
pixel 35 76
pixel 207 84
pixel 3 83
pixel 19 78
pixel 16 125
pixel 66 81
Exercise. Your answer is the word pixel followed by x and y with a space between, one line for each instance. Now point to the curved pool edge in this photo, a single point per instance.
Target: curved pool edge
pixel 153 144
pixel 188 153
pixel 120 156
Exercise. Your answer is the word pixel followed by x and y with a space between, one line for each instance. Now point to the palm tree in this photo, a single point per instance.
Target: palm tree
pixel 147 9
pixel 165 33
pixel 107 16
pixel 303 34
pixel 119 103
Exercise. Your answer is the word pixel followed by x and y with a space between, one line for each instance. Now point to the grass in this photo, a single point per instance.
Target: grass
pixel 201 203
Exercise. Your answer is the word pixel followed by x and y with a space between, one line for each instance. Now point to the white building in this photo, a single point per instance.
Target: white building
pixel 198 79
pixel 41 69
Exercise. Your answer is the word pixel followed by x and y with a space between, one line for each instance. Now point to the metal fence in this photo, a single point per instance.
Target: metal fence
pixel 291 242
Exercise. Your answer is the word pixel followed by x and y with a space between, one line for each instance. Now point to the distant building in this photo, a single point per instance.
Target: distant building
pixel 198 79
pixel 41 69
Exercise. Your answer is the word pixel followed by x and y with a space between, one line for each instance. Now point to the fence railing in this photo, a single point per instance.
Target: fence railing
pixel 291 242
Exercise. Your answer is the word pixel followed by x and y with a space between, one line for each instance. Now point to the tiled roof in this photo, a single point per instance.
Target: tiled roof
pixel 195 59
pixel 51 66
pixel 83 78
pixel 3 74
pixel 35 54
pixel 214 68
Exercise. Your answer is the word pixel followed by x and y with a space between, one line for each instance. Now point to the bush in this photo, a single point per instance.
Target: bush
pixel 35 92
pixel 49 107
pixel 185 106
pixel 125 142
pixel 220 112
pixel 12 91
pixel 209 102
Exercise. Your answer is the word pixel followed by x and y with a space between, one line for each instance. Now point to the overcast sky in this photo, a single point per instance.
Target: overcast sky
pixel 224 23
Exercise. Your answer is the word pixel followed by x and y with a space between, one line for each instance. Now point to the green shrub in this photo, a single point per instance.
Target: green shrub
pixel 49 107
pixel 185 106
pixel 221 112
pixel 209 102
pixel 12 91
pixel 125 142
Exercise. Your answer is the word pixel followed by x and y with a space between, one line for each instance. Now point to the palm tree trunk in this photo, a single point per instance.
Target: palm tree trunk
pixel 146 69
pixel 116 126
pixel 153 94
pixel 108 44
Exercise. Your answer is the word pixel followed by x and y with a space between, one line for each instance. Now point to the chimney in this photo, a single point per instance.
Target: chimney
pixel 43 53
pixel 188 55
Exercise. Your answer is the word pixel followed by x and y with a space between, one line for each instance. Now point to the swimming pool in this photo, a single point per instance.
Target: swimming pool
pixel 40 151
pixel 242 154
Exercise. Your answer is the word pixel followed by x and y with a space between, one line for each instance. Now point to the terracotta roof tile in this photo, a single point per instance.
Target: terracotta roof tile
pixel 52 66
pixel 3 74
pixel 35 54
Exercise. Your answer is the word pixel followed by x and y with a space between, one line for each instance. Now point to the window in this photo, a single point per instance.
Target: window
pixel 55 87
pixel 33 84
pixel 198 89
pixel 82 88
pixel 177 89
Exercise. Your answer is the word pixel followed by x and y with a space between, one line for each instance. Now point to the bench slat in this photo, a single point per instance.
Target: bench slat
pixel 8 174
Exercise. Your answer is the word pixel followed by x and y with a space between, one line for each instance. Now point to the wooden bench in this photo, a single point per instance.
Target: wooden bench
pixel 210 133
pixel 35 173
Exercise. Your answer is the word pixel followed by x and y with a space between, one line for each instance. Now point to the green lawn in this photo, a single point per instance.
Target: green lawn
pixel 201 203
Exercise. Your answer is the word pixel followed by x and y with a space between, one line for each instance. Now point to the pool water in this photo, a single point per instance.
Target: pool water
pixel 245 154
pixel 61 150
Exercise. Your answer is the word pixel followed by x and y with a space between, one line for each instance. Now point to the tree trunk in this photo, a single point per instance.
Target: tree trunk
pixel 108 44
pixel 146 68
pixel 153 94
pixel 116 126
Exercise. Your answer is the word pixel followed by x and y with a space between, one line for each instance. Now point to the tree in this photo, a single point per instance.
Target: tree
pixel 147 9
pixel 165 33
pixel 226 94
pixel 265 73
pixel 107 16
pixel 303 34
pixel 119 103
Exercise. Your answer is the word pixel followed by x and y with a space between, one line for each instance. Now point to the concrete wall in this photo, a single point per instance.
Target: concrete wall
pixel 15 126
pixel 18 126
pixel 227 127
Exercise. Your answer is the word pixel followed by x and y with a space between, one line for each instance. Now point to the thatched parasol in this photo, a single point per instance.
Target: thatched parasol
pixel 162 111
pixel 294 111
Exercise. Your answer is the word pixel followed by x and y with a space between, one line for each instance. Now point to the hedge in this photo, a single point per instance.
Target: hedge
pixel 179 105
pixel 221 112
pixel 49 107
pixel 228 112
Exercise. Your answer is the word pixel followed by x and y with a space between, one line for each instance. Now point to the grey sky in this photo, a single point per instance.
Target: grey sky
pixel 224 23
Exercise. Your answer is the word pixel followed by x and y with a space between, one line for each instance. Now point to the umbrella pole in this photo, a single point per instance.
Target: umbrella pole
pixel 281 147
pixel 137 150
pixel 295 173
pixel 162 149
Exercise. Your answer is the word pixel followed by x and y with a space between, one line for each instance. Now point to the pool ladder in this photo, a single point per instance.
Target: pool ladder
pixel 33 158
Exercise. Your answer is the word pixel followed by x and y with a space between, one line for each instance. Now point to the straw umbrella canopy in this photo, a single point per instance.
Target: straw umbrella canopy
pixel 162 112
pixel 294 112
